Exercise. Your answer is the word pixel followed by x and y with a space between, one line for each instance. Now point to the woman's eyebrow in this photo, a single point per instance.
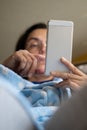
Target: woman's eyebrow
pixel 34 38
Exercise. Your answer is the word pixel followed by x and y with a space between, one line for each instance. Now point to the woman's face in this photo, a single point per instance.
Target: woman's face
pixel 36 44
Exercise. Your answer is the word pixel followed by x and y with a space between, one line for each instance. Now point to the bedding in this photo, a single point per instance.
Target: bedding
pixel 44 98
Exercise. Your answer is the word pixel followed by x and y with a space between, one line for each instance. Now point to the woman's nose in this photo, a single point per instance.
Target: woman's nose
pixel 43 49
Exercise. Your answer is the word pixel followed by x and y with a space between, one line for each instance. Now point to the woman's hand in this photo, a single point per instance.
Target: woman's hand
pixel 22 62
pixel 75 79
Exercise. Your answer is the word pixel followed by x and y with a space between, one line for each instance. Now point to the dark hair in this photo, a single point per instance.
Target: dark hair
pixel 22 39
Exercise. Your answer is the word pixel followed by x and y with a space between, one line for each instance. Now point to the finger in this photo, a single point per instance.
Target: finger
pixel 66 75
pixel 71 67
pixel 70 84
pixel 30 65
pixel 40 57
pixel 22 64
pixel 25 62
pixel 24 72
pixel 33 67
pixel 19 61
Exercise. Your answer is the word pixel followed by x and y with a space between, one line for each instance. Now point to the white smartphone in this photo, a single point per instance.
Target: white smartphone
pixel 59 44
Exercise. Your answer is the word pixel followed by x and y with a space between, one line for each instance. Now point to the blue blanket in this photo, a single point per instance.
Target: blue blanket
pixel 43 98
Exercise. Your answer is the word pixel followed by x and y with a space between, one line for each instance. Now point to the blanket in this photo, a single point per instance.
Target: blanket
pixel 44 98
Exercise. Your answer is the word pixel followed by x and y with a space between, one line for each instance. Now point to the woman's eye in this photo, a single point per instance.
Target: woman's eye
pixel 33 46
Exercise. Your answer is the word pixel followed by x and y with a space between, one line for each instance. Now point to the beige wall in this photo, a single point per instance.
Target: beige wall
pixel 17 15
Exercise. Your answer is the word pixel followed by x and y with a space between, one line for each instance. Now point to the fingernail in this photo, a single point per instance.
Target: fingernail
pixel 63 58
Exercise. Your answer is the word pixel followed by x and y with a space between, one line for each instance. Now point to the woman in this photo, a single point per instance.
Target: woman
pixel 29 60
